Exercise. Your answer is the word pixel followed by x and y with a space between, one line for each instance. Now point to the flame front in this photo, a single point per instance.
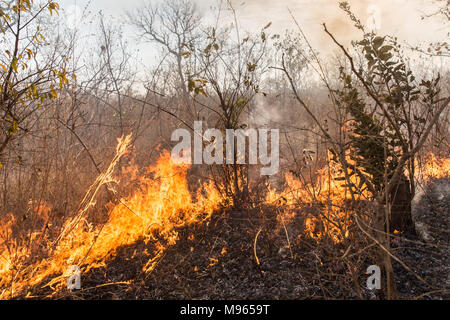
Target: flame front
pixel 35 255
pixel 330 193
pixel 162 204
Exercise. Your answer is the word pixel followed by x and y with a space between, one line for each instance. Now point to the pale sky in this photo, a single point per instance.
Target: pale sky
pixel 401 18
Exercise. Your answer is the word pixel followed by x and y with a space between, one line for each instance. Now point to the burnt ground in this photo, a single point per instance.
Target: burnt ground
pixel 428 257
pixel 216 260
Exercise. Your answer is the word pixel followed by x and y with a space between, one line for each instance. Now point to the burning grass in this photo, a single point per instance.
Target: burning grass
pixel 39 251
pixel 162 204
pixel 333 217
pixel 328 194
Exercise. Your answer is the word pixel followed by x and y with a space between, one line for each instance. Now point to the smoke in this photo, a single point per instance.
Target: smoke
pixel 263 113
pixel 402 18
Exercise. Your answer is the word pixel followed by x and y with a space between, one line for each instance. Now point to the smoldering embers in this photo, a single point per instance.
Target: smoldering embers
pixel 235 147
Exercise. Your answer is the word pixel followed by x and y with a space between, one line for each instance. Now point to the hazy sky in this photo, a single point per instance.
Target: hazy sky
pixel 399 17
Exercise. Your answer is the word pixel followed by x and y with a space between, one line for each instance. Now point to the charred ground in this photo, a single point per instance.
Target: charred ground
pixel 216 260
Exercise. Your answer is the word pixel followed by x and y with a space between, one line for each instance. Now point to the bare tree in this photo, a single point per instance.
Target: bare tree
pixel 174 25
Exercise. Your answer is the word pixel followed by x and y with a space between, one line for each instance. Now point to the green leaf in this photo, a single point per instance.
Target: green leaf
pixel 385 49
pixel 14 64
pixel 377 42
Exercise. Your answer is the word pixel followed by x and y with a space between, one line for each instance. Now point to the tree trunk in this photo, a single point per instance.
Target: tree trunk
pixel 400 217
pixel 389 288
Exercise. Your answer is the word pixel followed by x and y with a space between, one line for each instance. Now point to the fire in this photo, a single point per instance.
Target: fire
pixel 329 191
pixel 162 204
pixel 40 251
pixel 328 194
pixel 434 168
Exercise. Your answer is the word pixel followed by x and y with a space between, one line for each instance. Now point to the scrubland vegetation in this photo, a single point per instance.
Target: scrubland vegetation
pixel 87 178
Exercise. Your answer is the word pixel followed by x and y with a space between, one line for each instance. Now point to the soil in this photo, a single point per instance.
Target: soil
pixel 216 260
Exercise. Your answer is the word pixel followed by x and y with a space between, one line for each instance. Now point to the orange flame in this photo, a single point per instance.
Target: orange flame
pixel 330 190
pixel 434 168
pixel 162 204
